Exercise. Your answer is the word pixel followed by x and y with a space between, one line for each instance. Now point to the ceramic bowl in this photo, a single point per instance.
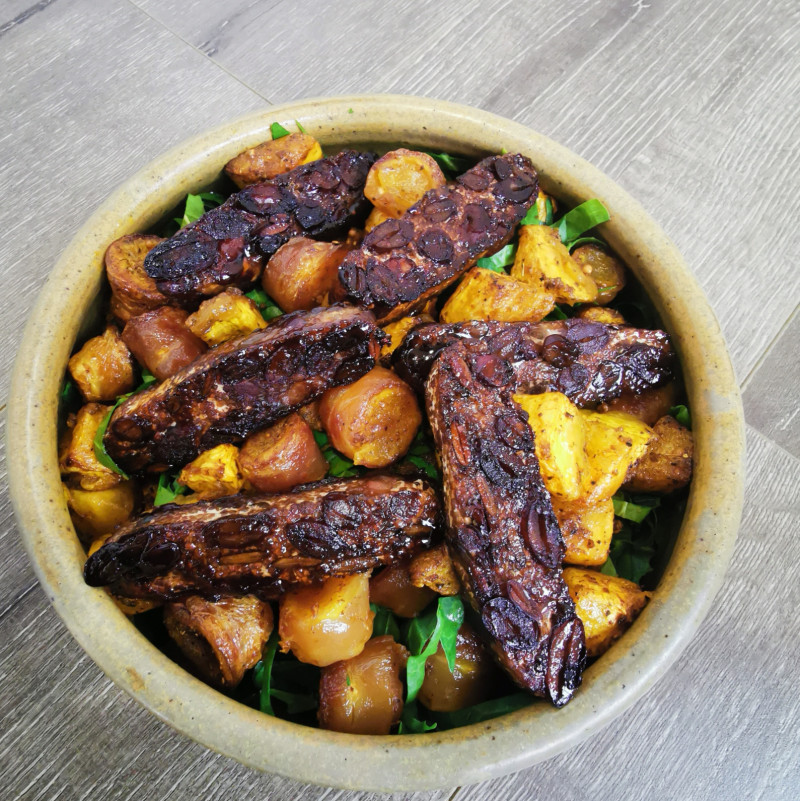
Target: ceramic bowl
pixel 70 303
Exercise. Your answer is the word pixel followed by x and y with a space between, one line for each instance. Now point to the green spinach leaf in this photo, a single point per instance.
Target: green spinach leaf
pixel 498 261
pixel 265 304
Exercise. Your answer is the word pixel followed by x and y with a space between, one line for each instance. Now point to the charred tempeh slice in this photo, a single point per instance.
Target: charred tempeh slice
pixel 501 530
pixel 228 245
pixel 263 544
pixel 243 385
pixel 402 263
pixel 589 362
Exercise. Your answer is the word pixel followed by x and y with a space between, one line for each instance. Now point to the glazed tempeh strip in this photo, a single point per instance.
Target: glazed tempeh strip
pixel 243 385
pixel 501 530
pixel 262 544
pixel 402 263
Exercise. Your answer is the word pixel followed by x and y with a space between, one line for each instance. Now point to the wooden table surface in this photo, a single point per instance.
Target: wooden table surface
pixel 691 107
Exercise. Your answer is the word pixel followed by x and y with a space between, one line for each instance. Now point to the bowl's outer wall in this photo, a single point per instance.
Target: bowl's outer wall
pixel 462 756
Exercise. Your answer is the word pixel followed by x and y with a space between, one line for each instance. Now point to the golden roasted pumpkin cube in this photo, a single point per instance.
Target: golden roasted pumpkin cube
pixel 544 262
pixel 77 459
pixel 103 367
pixel 376 217
pixel 271 158
pixel 96 513
pixel 667 462
pixel 606 271
pixel 614 441
pixel 606 605
pixel 587 531
pixel 601 314
pixel 398 179
pixel 487 295
pixel 559 441
pixel 214 472
pixel 434 569
pixel 397 332
pixel 225 316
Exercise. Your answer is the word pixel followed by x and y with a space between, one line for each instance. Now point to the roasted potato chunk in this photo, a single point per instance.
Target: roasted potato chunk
pixel 559 441
pixel 326 623
pixel 225 316
pixel 600 314
pixel 586 531
pixel 399 179
pixel 223 638
pixel 372 421
pixel 282 456
pixel 397 332
pixel 649 406
pixel 434 569
pixel 96 513
pixel 392 588
pixel 133 291
pixel 310 413
pixel 607 605
pixel 487 295
pixel 265 161
pixel 364 694
pixel 103 367
pixel 614 441
pixel 471 681
pixel 161 341
pixel 376 217
pixel 303 273
pixel 607 272
pixel 544 262
pixel 214 473
pixel 77 459
pixel 667 463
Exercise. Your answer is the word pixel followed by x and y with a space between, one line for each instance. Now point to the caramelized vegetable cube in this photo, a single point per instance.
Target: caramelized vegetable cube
pixel 543 261
pixel 397 332
pixel 392 588
pixel 282 456
pixel 399 179
pixel 601 314
pixel 607 605
pixel 96 513
pixel 103 367
pixel 265 161
pixel 214 473
pixel 614 441
pixel 223 638
pixel 667 463
pixel 326 623
pixel 541 205
pixel 225 316
pixel 471 681
pixel 376 217
pixel 607 272
pixel 133 291
pixel 649 406
pixel 372 421
pixel 303 273
pixel 559 442
pixel 586 531
pixel 161 341
pixel 77 459
pixel 364 694
pixel 487 295
pixel 434 568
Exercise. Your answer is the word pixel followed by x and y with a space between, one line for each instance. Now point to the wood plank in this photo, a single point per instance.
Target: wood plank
pixel 83 109
pixel 721 724
pixel 667 98
pixel 770 395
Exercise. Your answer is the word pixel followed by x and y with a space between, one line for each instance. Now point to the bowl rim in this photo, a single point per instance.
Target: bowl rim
pixel 460 756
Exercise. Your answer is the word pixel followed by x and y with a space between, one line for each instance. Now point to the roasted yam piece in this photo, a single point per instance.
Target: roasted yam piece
pixel 392 588
pixel 601 314
pixel 133 290
pixel 364 694
pixel 272 158
pixel 161 341
pixel 242 386
pixel 403 263
pixel 222 638
pixel 264 544
pixel 76 457
pixel 587 531
pixel 607 272
pixel 228 245
pixel 589 362
pixel 96 513
pixel 501 530
pixel 103 367
pixel 666 464
pixel 649 406
pixel 397 180
pixel 434 569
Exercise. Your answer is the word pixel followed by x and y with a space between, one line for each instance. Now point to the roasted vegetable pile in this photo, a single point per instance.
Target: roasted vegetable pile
pixel 376 444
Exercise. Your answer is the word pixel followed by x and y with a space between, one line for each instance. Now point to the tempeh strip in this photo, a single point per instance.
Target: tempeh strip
pixel 263 544
pixel 501 530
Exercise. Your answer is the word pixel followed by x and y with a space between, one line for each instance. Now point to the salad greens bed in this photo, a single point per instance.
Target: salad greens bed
pixel 282 686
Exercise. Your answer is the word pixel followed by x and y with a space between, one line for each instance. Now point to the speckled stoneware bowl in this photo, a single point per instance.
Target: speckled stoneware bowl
pixel 69 305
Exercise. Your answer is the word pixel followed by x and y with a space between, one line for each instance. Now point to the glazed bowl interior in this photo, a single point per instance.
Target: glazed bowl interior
pixel 69 306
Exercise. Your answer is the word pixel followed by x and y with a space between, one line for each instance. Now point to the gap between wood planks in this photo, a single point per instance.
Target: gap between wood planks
pixel 762 358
